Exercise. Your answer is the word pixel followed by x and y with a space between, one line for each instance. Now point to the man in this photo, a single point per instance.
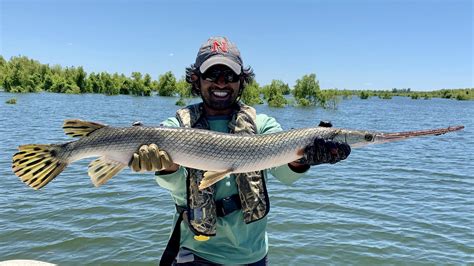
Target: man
pixel 225 223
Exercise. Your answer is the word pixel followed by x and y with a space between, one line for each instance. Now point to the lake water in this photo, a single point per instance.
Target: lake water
pixel 409 202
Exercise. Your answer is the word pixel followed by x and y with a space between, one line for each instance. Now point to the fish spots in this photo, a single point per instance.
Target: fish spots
pixel 22 161
pixel 40 170
pixel 99 168
pixel 33 162
pixel 102 176
pixel 77 127
pixel 26 171
pixel 29 155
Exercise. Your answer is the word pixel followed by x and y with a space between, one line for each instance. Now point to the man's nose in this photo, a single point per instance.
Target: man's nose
pixel 220 81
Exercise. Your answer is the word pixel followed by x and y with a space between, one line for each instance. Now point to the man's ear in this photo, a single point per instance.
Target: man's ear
pixel 194 78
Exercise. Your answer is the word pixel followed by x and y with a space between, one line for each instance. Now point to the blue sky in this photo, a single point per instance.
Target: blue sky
pixel 419 44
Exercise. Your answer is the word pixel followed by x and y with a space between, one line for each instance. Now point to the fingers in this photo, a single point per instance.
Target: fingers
pixel 135 163
pixel 331 152
pixel 339 151
pixel 319 142
pixel 150 158
pixel 326 151
pixel 165 160
pixel 154 156
pixel 145 162
pixel 344 150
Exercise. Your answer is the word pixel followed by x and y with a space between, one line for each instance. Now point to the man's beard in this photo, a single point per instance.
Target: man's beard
pixel 210 101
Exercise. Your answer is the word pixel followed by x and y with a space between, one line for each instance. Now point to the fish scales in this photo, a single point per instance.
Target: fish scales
pixel 212 151
pixel 196 148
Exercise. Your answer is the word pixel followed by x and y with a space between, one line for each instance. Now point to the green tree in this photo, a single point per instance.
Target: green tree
pixel 80 79
pixel 331 97
pixel 125 84
pixel 274 94
pixel 110 87
pixel 275 85
pixel 307 91
pixel 48 82
pixel 147 83
pixel 184 91
pixel 167 84
pixel 58 83
pixel 3 69
pixel 251 94
pixel 385 95
pixel 183 88
pixel 94 83
pixel 137 88
pixel 364 95
pixel 22 75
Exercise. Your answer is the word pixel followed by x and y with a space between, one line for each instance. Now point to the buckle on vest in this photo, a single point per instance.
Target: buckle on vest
pixel 228 205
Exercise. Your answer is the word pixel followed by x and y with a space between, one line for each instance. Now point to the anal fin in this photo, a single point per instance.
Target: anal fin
pixel 210 178
pixel 103 169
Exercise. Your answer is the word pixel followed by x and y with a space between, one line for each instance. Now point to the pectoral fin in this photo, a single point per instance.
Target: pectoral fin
pixel 103 169
pixel 210 178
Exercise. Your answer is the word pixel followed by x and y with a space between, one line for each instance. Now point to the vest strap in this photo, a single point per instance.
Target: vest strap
pixel 172 248
pixel 224 207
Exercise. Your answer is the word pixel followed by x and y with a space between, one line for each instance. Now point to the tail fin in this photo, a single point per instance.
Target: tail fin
pixel 36 164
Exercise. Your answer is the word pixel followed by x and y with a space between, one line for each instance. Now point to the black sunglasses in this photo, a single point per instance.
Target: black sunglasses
pixel 212 75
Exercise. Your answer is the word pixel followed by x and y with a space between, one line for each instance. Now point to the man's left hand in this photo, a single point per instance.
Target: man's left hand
pixel 325 151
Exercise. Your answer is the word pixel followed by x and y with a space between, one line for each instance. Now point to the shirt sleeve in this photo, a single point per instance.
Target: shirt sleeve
pixel 170 122
pixel 173 181
pixel 284 174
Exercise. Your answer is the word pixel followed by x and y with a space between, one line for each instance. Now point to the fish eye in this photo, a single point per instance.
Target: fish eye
pixel 368 137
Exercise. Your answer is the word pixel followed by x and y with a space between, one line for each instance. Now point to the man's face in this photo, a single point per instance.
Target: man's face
pixel 219 87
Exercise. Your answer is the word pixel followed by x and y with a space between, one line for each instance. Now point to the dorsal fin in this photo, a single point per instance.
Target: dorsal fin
pixel 80 128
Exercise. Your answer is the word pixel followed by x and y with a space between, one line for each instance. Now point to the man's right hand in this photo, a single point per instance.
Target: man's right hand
pixel 151 158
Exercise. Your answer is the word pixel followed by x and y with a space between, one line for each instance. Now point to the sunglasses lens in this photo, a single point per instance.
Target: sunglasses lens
pixel 213 75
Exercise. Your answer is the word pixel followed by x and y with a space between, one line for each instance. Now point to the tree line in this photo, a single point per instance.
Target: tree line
pixel 456 94
pixel 21 74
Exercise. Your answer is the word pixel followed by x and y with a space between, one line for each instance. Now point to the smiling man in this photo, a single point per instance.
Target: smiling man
pixel 226 222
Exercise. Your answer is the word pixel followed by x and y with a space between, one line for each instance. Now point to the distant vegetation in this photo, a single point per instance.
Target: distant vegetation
pixel 457 94
pixel 21 74
pixel 11 101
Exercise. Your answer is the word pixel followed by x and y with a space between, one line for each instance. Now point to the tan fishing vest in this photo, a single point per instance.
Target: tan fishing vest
pixel 251 186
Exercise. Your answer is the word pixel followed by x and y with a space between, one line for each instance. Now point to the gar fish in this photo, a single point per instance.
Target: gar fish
pixel 217 153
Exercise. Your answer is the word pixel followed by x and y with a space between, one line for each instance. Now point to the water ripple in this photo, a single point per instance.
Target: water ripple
pixel 398 204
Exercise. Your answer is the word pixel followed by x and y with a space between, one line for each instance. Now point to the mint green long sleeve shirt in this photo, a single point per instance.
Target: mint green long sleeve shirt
pixel 235 242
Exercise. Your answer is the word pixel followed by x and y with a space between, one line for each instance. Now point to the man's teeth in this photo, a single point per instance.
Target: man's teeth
pixel 220 93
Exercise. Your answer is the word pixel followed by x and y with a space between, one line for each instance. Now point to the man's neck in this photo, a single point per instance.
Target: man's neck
pixel 213 112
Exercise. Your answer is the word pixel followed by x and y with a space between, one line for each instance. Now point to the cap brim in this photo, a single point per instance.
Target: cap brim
pixel 220 60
